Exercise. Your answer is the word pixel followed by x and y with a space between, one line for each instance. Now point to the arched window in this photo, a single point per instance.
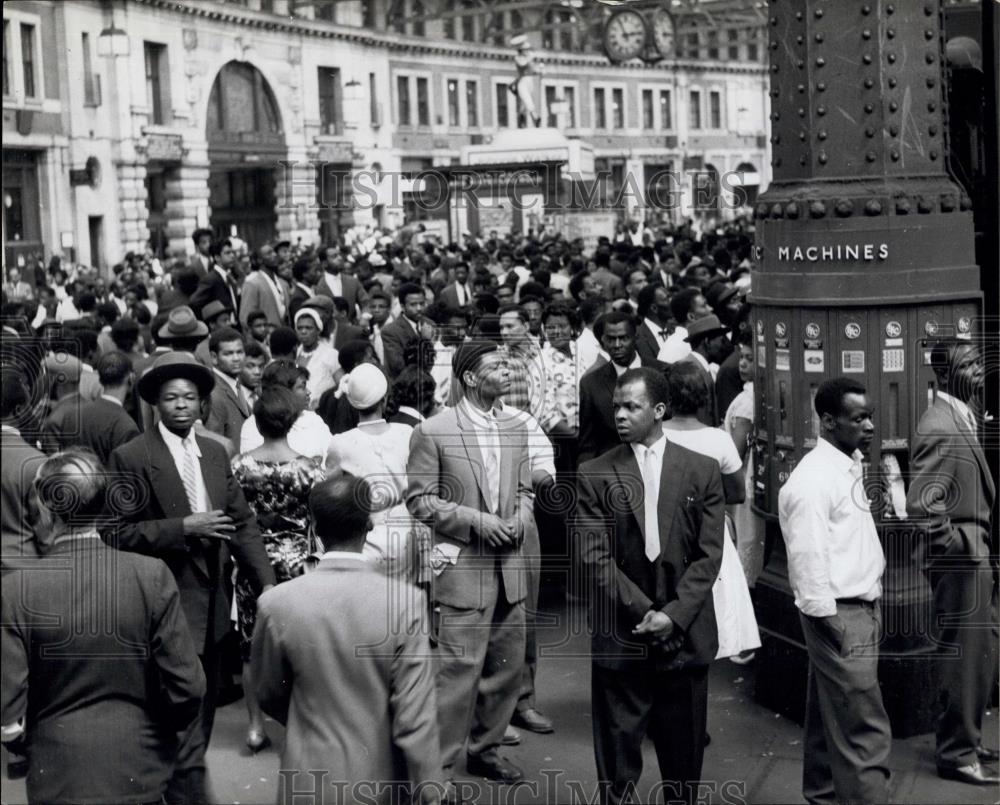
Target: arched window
pixel 241 102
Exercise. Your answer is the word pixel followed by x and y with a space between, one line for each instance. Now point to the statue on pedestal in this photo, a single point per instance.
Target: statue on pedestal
pixel 522 85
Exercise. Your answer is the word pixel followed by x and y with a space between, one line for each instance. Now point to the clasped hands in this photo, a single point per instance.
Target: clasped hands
pixel 660 629
pixel 500 533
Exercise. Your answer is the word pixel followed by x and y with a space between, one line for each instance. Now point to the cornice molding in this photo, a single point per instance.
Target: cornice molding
pixel 400 44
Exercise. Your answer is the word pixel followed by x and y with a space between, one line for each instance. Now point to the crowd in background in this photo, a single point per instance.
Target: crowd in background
pixel 265 376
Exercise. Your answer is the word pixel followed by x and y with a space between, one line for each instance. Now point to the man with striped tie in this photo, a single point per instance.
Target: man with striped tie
pixel 187 509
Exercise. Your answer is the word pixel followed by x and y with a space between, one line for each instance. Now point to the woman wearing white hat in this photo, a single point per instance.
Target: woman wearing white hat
pixel 315 353
pixel 378 451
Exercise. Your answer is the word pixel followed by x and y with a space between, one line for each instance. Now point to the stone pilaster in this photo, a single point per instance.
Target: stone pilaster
pixel 132 216
pixel 295 197
pixel 187 202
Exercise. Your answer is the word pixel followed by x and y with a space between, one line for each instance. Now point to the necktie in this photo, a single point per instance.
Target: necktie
pixel 190 476
pixel 493 461
pixel 650 495
pixel 377 343
pixel 664 334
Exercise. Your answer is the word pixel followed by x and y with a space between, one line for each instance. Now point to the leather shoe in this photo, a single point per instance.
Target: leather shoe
pixel 511 737
pixel 987 755
pixel 973 775
pixel 531 719
pixel 493 767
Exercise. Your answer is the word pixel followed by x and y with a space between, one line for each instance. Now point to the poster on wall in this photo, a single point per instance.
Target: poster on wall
pixel 498 218
pixel 587 225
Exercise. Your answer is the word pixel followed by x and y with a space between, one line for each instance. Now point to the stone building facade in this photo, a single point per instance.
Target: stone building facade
pixel 269 118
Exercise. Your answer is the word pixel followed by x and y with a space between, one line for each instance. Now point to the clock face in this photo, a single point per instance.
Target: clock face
pixel 663 34
pixel 625 35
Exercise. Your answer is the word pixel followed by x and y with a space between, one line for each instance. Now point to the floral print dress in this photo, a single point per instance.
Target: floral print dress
pixel 278 495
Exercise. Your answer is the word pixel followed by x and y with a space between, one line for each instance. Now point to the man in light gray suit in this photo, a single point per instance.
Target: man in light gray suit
pixel 470 480
pixel 265 291
pixel 341 658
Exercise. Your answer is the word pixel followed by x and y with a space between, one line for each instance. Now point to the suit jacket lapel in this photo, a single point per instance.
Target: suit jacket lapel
pixel 475 454
pixel 674 464
pixel 632 487
pixel 214 477
pixel 165 480
pixel 241 405
pixel 951 415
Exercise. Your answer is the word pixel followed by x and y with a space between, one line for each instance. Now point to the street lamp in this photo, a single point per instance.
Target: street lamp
pixel 112 41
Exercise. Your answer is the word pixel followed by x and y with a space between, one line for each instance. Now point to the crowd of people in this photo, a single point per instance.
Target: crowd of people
pixel 362 459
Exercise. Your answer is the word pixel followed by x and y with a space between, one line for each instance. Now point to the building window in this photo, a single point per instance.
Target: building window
pixel 423 103
pixel 550 101
pixel 600 109
pixel 6 52
pixel 733 35
pixel 331 109
pixel 28 59
pixel 325 11
pixel 472 103
pixel 91 81
pixel 569 96
pixel 692 45
pixel 468 22
pixel 648 119
pixel 375 110
pixel 752 51
pixel 715 110
pixel 419 28
pixel 666 119
pixel 155 63
pixel 694 110
pixel 618 108
pixel 713 44
pixel 448 23
pixel 503 109
pixel 453 118
pixel 403 99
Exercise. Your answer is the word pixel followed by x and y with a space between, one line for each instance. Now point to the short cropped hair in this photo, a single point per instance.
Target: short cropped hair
pixel 72 485
pixel 830 394
pixel 469 355
pixel 656 384
pixel 409 289
pixel 517 309
pixel 619 317
pixel 284 341
pixel 682 303
pixel 340 508
pixel 113 368
pixel 688 391
pixel 283 373
pixel 223 336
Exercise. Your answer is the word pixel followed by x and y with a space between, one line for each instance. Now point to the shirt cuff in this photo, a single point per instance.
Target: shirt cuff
pixel 10 732
pixel 818 607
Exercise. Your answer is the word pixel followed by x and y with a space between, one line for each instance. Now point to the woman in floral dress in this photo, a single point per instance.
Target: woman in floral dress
pixel 276 482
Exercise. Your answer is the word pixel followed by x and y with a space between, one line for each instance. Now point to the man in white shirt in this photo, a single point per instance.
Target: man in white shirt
pixel 835 566
pixel 686 306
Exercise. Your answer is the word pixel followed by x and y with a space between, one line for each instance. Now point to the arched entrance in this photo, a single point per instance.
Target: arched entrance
pixel 746 177
pixel 245 142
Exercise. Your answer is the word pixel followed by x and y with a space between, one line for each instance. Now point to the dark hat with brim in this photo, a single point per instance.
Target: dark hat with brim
pixel 213 309
pixel 171 366
pixel 182 323
pixel 705 327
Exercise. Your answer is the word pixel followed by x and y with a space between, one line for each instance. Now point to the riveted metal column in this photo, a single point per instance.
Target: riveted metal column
pixel 865 249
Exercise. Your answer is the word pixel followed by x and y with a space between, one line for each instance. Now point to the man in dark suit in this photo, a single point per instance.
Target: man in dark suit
pixel 458 294
pixel 654 317
pixel 190 512
pixel 99 671
pixel 709 344
pixel 201 261
pixel 597 425
pixel 17 470
pixel 305 275
pixel 365 714
pixel 216 285
pixel 648 565
pixel 409 327
pixel 102 425
pixel 334 282
pixel 469 477
pixel 230 408
pixel 953 493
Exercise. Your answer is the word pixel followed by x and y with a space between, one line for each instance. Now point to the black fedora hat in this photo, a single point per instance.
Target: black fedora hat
pixel 170 366
pixel 705 327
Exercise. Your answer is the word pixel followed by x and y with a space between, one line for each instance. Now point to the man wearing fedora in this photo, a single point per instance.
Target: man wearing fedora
pixel 180 331
pixel 709 345
pixel 216 316
pixel 189 511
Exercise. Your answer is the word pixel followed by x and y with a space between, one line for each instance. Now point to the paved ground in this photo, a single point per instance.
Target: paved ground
pixel 754 757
